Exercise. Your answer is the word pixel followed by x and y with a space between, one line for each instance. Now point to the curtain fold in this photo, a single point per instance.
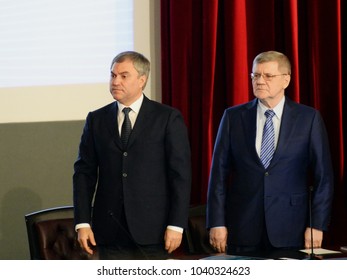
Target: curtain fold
pixel 207 52
pixel 292 28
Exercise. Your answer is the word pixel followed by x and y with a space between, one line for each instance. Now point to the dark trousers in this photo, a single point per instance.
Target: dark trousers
pixel 138 252
pixel 263 245
pixel 264 249
pixel 126 247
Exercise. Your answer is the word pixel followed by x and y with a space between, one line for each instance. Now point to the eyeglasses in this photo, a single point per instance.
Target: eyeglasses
pixel 266 77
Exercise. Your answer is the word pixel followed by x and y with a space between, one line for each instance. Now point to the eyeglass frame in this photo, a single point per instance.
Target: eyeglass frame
pixel 266 77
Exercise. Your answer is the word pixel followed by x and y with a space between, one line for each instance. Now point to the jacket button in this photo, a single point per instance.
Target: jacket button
pixel 125 154
pixel 125 175
pixel 266 174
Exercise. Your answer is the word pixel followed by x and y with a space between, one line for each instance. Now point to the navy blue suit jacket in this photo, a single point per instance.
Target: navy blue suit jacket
pixel 151 179
pixel 242 195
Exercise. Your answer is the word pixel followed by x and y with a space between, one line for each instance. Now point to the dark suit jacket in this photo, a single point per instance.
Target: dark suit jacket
pixel 151 179
pixel 243 195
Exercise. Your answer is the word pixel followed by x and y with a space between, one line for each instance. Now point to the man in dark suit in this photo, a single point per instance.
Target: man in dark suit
pixel 139 186
pixel 258 195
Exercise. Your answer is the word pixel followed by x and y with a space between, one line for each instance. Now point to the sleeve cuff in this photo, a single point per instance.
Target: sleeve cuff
pixel 179 229
pixel 83 225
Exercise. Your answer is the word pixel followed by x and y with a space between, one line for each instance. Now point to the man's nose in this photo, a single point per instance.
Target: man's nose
pixel 115 80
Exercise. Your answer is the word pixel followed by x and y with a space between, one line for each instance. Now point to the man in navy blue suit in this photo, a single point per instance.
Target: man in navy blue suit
pixel 131 195
pixel 259 205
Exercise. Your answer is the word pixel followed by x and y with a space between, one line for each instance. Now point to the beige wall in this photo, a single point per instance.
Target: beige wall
pixel 36 165
pixel 40 130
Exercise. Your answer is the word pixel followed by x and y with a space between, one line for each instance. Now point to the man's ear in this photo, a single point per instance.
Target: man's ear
pixel 143 80
pixel 286 81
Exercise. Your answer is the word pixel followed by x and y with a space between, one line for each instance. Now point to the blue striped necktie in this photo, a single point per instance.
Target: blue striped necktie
pixel 268 141
pixel 126 127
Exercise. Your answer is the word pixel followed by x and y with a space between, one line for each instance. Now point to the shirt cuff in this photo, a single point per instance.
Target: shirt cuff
pixel 179 229
pixel 83 225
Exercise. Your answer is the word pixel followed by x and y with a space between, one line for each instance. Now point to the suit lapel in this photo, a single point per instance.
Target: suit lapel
pixel 141 120
pixel 288 123
pixel 249 118
pixel 112 124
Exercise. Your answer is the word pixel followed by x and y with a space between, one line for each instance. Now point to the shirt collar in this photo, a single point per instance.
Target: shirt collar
pixel 134 107
pixel 278 109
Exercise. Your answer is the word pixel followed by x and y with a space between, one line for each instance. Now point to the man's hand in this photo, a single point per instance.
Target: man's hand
pixel 317 238
pixel 218 238
pixel 172 240
pixel 85 239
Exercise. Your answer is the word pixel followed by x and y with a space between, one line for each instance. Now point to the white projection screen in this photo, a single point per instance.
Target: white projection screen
pixel 55 55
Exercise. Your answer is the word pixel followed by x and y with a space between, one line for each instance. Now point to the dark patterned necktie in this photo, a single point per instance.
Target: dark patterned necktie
pixel 126 127
pixel 268 141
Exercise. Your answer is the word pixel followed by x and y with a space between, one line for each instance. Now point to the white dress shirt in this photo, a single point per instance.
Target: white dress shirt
pixel 135 109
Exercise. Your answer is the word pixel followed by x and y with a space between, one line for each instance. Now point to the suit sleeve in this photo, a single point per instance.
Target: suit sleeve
pixel 323 174
pixel 178 169
pixel 220 167
pixel 85 175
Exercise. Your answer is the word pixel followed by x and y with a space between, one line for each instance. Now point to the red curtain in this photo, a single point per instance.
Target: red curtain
pixel 207 52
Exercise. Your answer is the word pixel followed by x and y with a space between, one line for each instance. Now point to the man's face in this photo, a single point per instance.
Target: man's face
pixel 269 83
pixel 125 83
